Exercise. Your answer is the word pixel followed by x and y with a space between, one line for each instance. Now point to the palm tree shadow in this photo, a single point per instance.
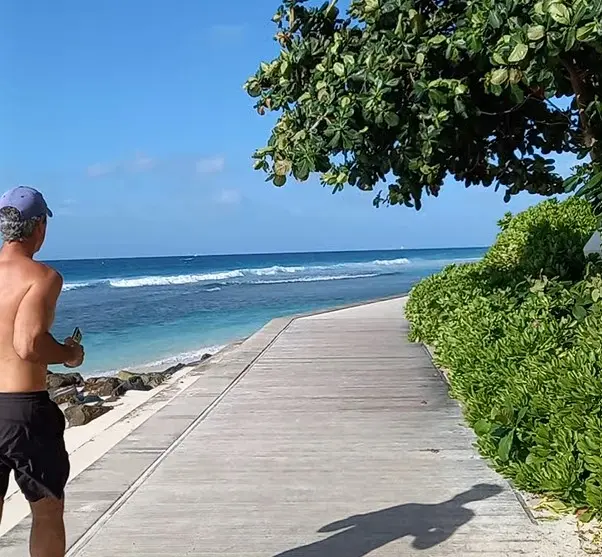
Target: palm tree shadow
pixel 429 525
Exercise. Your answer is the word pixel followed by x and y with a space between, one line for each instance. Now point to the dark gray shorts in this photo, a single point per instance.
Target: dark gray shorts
pixel 32 445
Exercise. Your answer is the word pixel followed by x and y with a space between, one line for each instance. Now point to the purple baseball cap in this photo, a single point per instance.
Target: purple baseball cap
pixel 29 202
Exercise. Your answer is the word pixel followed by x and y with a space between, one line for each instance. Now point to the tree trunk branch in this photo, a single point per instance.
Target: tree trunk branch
pixel 584 97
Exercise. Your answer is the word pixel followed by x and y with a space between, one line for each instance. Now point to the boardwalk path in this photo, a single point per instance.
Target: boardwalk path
pixel 327 436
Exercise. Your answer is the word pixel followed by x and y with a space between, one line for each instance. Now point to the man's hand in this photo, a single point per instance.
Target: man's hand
pixel 77 359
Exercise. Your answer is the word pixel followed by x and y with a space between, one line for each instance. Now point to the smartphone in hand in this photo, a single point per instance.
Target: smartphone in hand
pixel 77 335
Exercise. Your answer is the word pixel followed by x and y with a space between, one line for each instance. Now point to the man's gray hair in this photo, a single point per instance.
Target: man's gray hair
pixel 13 228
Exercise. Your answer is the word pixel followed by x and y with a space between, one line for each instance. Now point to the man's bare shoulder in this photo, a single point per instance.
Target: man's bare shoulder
pixel 42 273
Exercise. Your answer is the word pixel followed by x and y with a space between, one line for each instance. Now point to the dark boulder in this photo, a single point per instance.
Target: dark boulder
pixel 58 380
pixel 81 414
pixel 174 369
pixel 142 381
pixel 102 386
pixel 65 395
pixel 89 399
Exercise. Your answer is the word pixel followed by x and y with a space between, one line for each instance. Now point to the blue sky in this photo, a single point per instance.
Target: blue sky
pixel 130 116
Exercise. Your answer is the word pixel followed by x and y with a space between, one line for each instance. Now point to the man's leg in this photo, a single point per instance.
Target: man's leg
pixel 47 528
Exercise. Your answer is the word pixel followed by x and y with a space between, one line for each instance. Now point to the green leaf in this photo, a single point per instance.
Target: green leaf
pixel 571 183
pixel 437 40
pixel 349 60
pixel 279 180
pixel 420 59
pixel 519 53
pixel 482 427
pixel 505 446
pixel 514 76
pixel 580 313
pixel 499 76
pixel 536 32
pixel 392 119
pixel 596 294
pixel 459 106
pixel 586 32
pixel 495 20
pixel 570 39
pixel 282 168
pixel 253 88
pixel 560 13
pixel 339 69
pixel 437 96
pixel 371 6
pixel 498 59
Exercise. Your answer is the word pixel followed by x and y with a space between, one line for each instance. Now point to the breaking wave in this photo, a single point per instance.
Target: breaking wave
pixel 276 274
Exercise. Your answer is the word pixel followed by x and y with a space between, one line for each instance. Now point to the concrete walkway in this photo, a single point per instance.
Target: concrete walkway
pixel 324 436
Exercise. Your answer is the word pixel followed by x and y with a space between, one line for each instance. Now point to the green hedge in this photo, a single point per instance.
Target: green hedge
pixel 524 351
pixel 546 239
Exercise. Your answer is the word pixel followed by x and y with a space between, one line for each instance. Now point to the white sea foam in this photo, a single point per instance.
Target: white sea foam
pixel 173 279
pixel 309 273
pixel 317 278
pixel 75 285
pixel 163 363
pixel 390 262
pixel 276 269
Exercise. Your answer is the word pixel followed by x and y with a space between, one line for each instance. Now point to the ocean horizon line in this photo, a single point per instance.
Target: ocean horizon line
pixel 251 254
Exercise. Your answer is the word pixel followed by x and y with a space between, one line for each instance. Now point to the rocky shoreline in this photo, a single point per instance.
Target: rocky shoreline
pixel 85 399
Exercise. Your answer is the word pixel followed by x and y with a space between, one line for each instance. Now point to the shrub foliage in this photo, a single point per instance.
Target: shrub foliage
pixel 521 335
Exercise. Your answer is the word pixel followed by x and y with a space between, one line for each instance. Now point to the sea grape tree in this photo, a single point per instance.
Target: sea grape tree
pixel 406 93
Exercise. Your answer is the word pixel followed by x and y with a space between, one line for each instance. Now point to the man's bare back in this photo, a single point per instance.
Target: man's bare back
pixel 27 288
pixel 31 424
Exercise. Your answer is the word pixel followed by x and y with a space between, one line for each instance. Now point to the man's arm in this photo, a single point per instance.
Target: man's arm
pixel 32 339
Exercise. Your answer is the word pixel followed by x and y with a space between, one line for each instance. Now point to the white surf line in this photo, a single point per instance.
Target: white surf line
pixel 128 493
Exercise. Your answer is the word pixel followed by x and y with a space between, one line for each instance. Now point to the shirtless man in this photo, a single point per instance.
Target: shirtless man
pixel 31 425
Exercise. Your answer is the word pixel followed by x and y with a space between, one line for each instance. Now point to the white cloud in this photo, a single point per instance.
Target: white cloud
pixel 211 165
pixel 228 197
pixel 100 169
pixel 142 163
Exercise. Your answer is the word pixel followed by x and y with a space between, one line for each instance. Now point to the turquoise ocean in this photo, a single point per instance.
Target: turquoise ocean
pixel 158 311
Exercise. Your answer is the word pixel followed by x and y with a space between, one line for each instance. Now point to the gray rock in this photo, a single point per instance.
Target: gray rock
pixel 174 369
pixel 102 386
pixel 64 395
pixel 57 380
pixel 142 381
pixel 136 384
pixel 89 399
pixel 81 414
